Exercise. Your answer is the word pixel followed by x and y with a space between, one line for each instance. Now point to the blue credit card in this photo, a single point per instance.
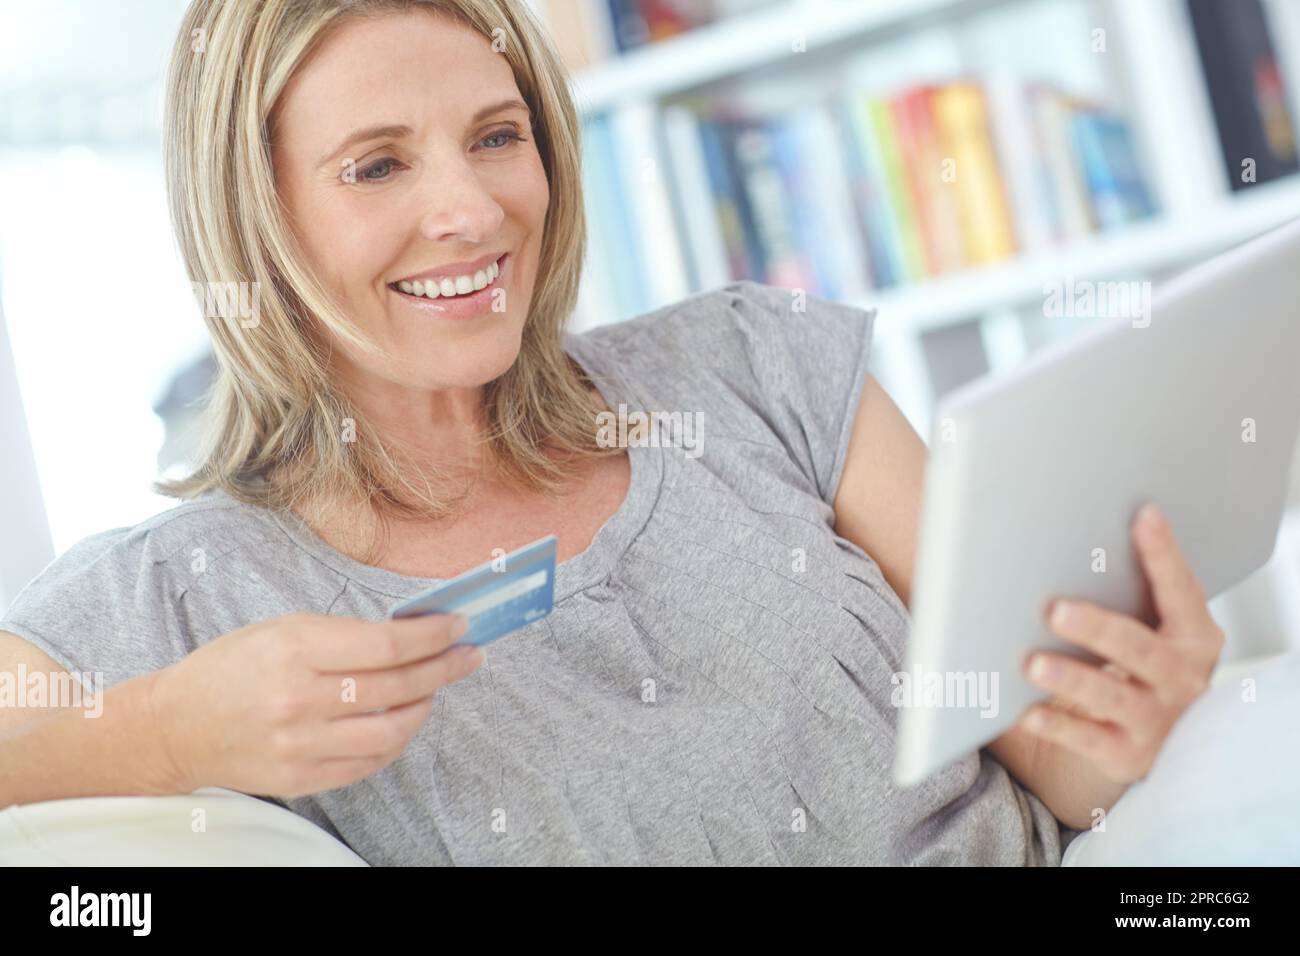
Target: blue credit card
pixel 498 597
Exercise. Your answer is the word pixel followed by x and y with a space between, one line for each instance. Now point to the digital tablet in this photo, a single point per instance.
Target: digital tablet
pixel 1034 479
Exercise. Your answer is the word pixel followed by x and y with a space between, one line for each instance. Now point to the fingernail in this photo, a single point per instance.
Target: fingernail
pixel 459 626
pixel 1036 720
pixel 475 658
pixel 1040 668
pixel 1149 517
pixel 1062 614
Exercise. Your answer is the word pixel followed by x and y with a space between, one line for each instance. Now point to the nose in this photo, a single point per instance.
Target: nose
pixel 458 205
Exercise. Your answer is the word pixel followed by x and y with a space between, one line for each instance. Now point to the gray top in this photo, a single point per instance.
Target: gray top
pixel 713 684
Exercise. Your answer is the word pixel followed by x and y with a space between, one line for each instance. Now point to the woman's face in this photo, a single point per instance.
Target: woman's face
pixel 404 154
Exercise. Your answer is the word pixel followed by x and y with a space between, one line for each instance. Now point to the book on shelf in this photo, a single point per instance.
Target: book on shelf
pixel 1255 123
pixel 818 181
pixel 1067 195
pixel 772 216
pixel 864 190
pixel 729 201
pixel 613 236
pixel 1019 145
pixel 922 145
pixel 888 166
pixel 918 183
pixel 632 230
pixel 1111 173
pixel 867 183
pixel 645 190
pixel 699 206
pixel 962 119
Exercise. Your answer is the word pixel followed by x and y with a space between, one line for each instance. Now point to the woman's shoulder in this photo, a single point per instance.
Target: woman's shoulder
pixel 188 531
pixel 106 572
pixel 141 596
pixel 743 326
pixel 758 360
pixel 699 317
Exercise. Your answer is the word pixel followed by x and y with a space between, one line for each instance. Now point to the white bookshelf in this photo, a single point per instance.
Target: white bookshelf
pixel 1151 69
pixel 732 47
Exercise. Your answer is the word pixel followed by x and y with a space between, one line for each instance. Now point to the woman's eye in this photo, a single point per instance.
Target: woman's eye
pixel 500 139
pixel 377 172
pixel 382 170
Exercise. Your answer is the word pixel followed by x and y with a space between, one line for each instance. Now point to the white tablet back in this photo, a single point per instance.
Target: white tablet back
pixel 1034 479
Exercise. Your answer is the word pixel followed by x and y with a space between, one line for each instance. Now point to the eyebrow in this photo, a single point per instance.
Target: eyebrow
pixel 397 131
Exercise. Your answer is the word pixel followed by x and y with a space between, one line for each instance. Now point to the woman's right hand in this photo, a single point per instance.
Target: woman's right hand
pixel 306 702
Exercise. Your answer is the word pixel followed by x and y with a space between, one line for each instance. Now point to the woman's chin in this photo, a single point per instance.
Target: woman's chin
pixel 467 368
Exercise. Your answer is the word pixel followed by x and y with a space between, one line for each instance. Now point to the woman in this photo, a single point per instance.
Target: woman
pixel 400 180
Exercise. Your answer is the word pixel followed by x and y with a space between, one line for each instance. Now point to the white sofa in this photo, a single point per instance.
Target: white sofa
pixel 210 827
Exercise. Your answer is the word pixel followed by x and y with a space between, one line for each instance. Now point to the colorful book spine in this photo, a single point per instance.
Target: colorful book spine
pixel 587 31
pixel 932 191
pixel 761 180
pixel 802 209
pixel 839 242
pixel 864 191
pixel 981 201
pixel 1071 209
pixel 732 205
pixel 1110 170
pixel 1020 159
pixel 666 18
pixel 866 180
pixel 908 236
pixel 701 218
pixel 631 29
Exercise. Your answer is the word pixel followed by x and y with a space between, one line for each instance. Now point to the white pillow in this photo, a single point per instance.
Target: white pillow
pixel 237 830
pixel 1225 789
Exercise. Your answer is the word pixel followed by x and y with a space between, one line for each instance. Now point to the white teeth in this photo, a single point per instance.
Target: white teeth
pixel 451 286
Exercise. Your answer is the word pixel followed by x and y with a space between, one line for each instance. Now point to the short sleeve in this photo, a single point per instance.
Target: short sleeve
pixel 811 356
pixel 102 607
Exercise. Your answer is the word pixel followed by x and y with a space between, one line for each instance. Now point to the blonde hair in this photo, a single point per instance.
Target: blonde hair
pixel 276 426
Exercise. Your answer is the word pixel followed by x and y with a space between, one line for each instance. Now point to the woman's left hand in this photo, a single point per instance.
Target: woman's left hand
pixel 1118 714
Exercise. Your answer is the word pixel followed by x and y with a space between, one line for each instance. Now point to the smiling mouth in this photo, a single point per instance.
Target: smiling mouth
pixel 452 287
